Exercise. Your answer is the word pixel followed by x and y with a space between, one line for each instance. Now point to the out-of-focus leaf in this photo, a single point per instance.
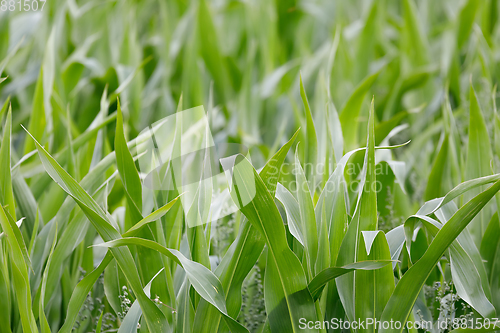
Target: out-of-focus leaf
pixel 465 21
pixel 365 48
pixel 478 161
pixel 311 149
pixel 349 116
pixel 383 129
pixel 210 48
pixel 6 193
pixel 413 37
pixel 4 108
pixel 434 187
pixel 37 120
pixel 72 235
pixel 99 323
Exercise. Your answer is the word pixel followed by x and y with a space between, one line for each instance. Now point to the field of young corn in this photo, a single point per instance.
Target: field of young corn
pixel 249 166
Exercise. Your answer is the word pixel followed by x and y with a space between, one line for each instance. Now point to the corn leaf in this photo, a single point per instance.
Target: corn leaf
pixel 154 317
pixel 262 212
pixel 408 288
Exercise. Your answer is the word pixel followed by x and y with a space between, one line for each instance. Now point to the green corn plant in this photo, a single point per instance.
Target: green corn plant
pixel 346 168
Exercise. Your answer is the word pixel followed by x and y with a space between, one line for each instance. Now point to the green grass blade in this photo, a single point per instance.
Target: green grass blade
pixel 311 149
pixel 185 311
pixel 434 184
pixel 37 120
pixel 272 171
pixel 35 167
pixel 322 278
pixel 373 288
pixel 210 50
pixel 495 278
pixel 126 165
pixel 99 323
pixel 19 272
pixel 80 294
pixel 70 237
pixel 413 35
pixel 44 325
pixel 154 317
pixel 203 280
pixel 5 294
pixel 364 219
pixel 468 281
pixel 307 220
pixel 243 253
pixel 465 21
pixel 4 108
pixel 154 216
pixel 262 212
pixel 433 205
pixel 465 270
pixel 349 116
pixel 478 161
pixel 408 288
pixel 6 193
pixel 292 212
pixel 131 319
pixel 365 44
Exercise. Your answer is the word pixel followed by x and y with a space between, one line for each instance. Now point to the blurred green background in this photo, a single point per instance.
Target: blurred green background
pixel 244 58
pixel 63 67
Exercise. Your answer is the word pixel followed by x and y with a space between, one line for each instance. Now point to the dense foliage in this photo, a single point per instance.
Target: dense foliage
pixel 249 166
